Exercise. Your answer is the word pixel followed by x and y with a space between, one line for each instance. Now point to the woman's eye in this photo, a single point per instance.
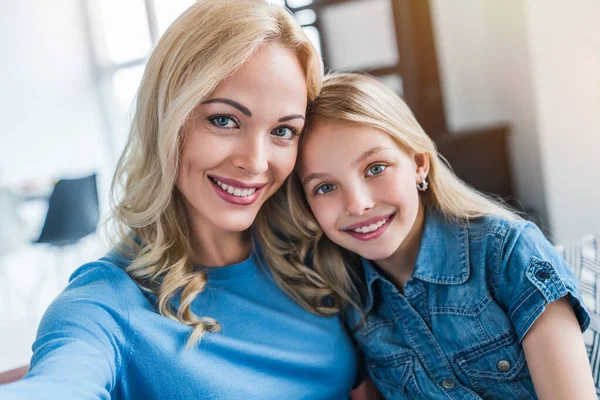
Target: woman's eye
pixel 284 132
pixel 375 169
pixel 223 121
pixel 325 188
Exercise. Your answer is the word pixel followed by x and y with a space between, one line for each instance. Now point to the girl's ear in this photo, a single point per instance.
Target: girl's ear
pixel 422 163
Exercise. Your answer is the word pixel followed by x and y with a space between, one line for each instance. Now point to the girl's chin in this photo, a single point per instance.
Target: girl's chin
pixel 375 255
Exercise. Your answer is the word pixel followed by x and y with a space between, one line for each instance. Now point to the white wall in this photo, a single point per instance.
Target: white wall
pixel 484 55
pixel 534 64
pixel 359 34
pixel 565 54
pixel 50 119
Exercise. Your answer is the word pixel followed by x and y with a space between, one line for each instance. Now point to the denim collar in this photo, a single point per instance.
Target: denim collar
pixel 443 257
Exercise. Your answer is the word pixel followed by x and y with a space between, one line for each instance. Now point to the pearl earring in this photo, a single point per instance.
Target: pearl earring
pixel 423 185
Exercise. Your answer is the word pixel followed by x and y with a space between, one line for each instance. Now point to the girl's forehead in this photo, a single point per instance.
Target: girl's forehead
pixel 348 136
pixel 343 146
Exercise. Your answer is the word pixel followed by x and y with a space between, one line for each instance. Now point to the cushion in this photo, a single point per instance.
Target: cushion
pixel 584 257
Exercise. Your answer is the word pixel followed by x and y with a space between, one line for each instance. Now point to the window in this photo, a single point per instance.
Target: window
pixel 123 35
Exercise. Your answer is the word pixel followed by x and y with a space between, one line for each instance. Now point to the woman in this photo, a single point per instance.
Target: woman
pixel 187 304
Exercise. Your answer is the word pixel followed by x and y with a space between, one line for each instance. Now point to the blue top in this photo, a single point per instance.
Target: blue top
pixel 456 331
pixel 102 338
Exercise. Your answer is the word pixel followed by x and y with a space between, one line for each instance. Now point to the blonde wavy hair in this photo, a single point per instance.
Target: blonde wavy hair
pixel 206 44
pixel 361 99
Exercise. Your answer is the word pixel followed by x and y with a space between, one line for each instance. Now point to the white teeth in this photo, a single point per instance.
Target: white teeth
pixel 235 191
pixel 372 227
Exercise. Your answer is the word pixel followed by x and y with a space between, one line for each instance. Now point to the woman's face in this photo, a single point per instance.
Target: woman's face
pixel 241 142
pixel 361 187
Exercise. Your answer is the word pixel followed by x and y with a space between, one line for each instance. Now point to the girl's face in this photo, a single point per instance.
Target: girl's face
pixel 361 187
pixel 241 142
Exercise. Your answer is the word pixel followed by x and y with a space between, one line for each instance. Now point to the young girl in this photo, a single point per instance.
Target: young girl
pixel 455 296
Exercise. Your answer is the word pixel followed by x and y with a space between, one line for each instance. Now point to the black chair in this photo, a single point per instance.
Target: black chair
pixel 73 212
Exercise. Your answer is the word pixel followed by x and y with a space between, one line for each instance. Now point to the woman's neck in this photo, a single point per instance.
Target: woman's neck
pixel 219 248
pixel 400 265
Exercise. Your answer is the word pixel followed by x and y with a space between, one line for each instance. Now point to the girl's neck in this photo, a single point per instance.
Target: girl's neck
pixel 400 265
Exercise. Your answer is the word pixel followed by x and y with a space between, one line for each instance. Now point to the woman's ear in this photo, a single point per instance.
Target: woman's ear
pixel 422 163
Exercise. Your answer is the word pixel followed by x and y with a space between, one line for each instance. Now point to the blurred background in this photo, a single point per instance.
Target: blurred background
pixel 508 89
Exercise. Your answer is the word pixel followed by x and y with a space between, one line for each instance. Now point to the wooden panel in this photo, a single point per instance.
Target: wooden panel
pixel 480 158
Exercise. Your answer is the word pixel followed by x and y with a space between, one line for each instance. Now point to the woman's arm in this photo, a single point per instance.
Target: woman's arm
pixel 78 350
pixel 556 355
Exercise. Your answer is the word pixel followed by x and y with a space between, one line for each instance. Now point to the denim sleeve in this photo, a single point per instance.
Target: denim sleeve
pixel 532 275
pixel 79 343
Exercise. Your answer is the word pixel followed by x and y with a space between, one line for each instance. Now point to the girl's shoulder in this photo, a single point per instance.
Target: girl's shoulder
pixel 496 225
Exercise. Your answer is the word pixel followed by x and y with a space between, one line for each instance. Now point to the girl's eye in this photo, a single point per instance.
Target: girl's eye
pixel 325 188
pixel 223 121
pixel 285 132
pixel 375 169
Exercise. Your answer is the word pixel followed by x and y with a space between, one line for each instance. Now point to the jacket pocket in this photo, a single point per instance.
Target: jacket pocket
pixel 394 377
pixel 497 368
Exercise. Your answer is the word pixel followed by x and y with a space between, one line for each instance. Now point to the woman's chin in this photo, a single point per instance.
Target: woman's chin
pixel 236 226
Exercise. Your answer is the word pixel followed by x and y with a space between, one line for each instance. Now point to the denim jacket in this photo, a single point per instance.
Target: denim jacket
pixel 456 331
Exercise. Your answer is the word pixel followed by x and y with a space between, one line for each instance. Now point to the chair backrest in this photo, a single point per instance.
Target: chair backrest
pixel 13 231
pixel 73 211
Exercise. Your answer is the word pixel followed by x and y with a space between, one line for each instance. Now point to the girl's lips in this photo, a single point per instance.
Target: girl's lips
pixel 370 235
pixel 368 222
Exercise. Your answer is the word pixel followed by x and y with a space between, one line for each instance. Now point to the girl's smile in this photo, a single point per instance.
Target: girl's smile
pixel 371 228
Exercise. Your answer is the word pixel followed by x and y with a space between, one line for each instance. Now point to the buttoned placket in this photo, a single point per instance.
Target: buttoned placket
pixel 422 341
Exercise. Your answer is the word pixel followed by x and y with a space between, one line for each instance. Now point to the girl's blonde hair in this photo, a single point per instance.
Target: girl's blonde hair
pixel 361 99
pixel 210 41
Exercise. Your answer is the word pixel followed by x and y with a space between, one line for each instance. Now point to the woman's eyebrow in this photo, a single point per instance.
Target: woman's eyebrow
pixel 244 110
pixel 290 117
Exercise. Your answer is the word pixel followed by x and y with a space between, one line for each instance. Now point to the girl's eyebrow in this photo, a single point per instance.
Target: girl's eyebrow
pixel 368 154
pixel 310 177
pixel 365 155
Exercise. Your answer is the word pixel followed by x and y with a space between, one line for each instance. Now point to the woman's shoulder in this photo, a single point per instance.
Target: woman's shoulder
pixel 104 281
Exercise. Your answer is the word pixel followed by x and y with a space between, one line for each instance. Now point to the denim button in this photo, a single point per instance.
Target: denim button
pixel 542 275
pixel 503 366
pixel 448 384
